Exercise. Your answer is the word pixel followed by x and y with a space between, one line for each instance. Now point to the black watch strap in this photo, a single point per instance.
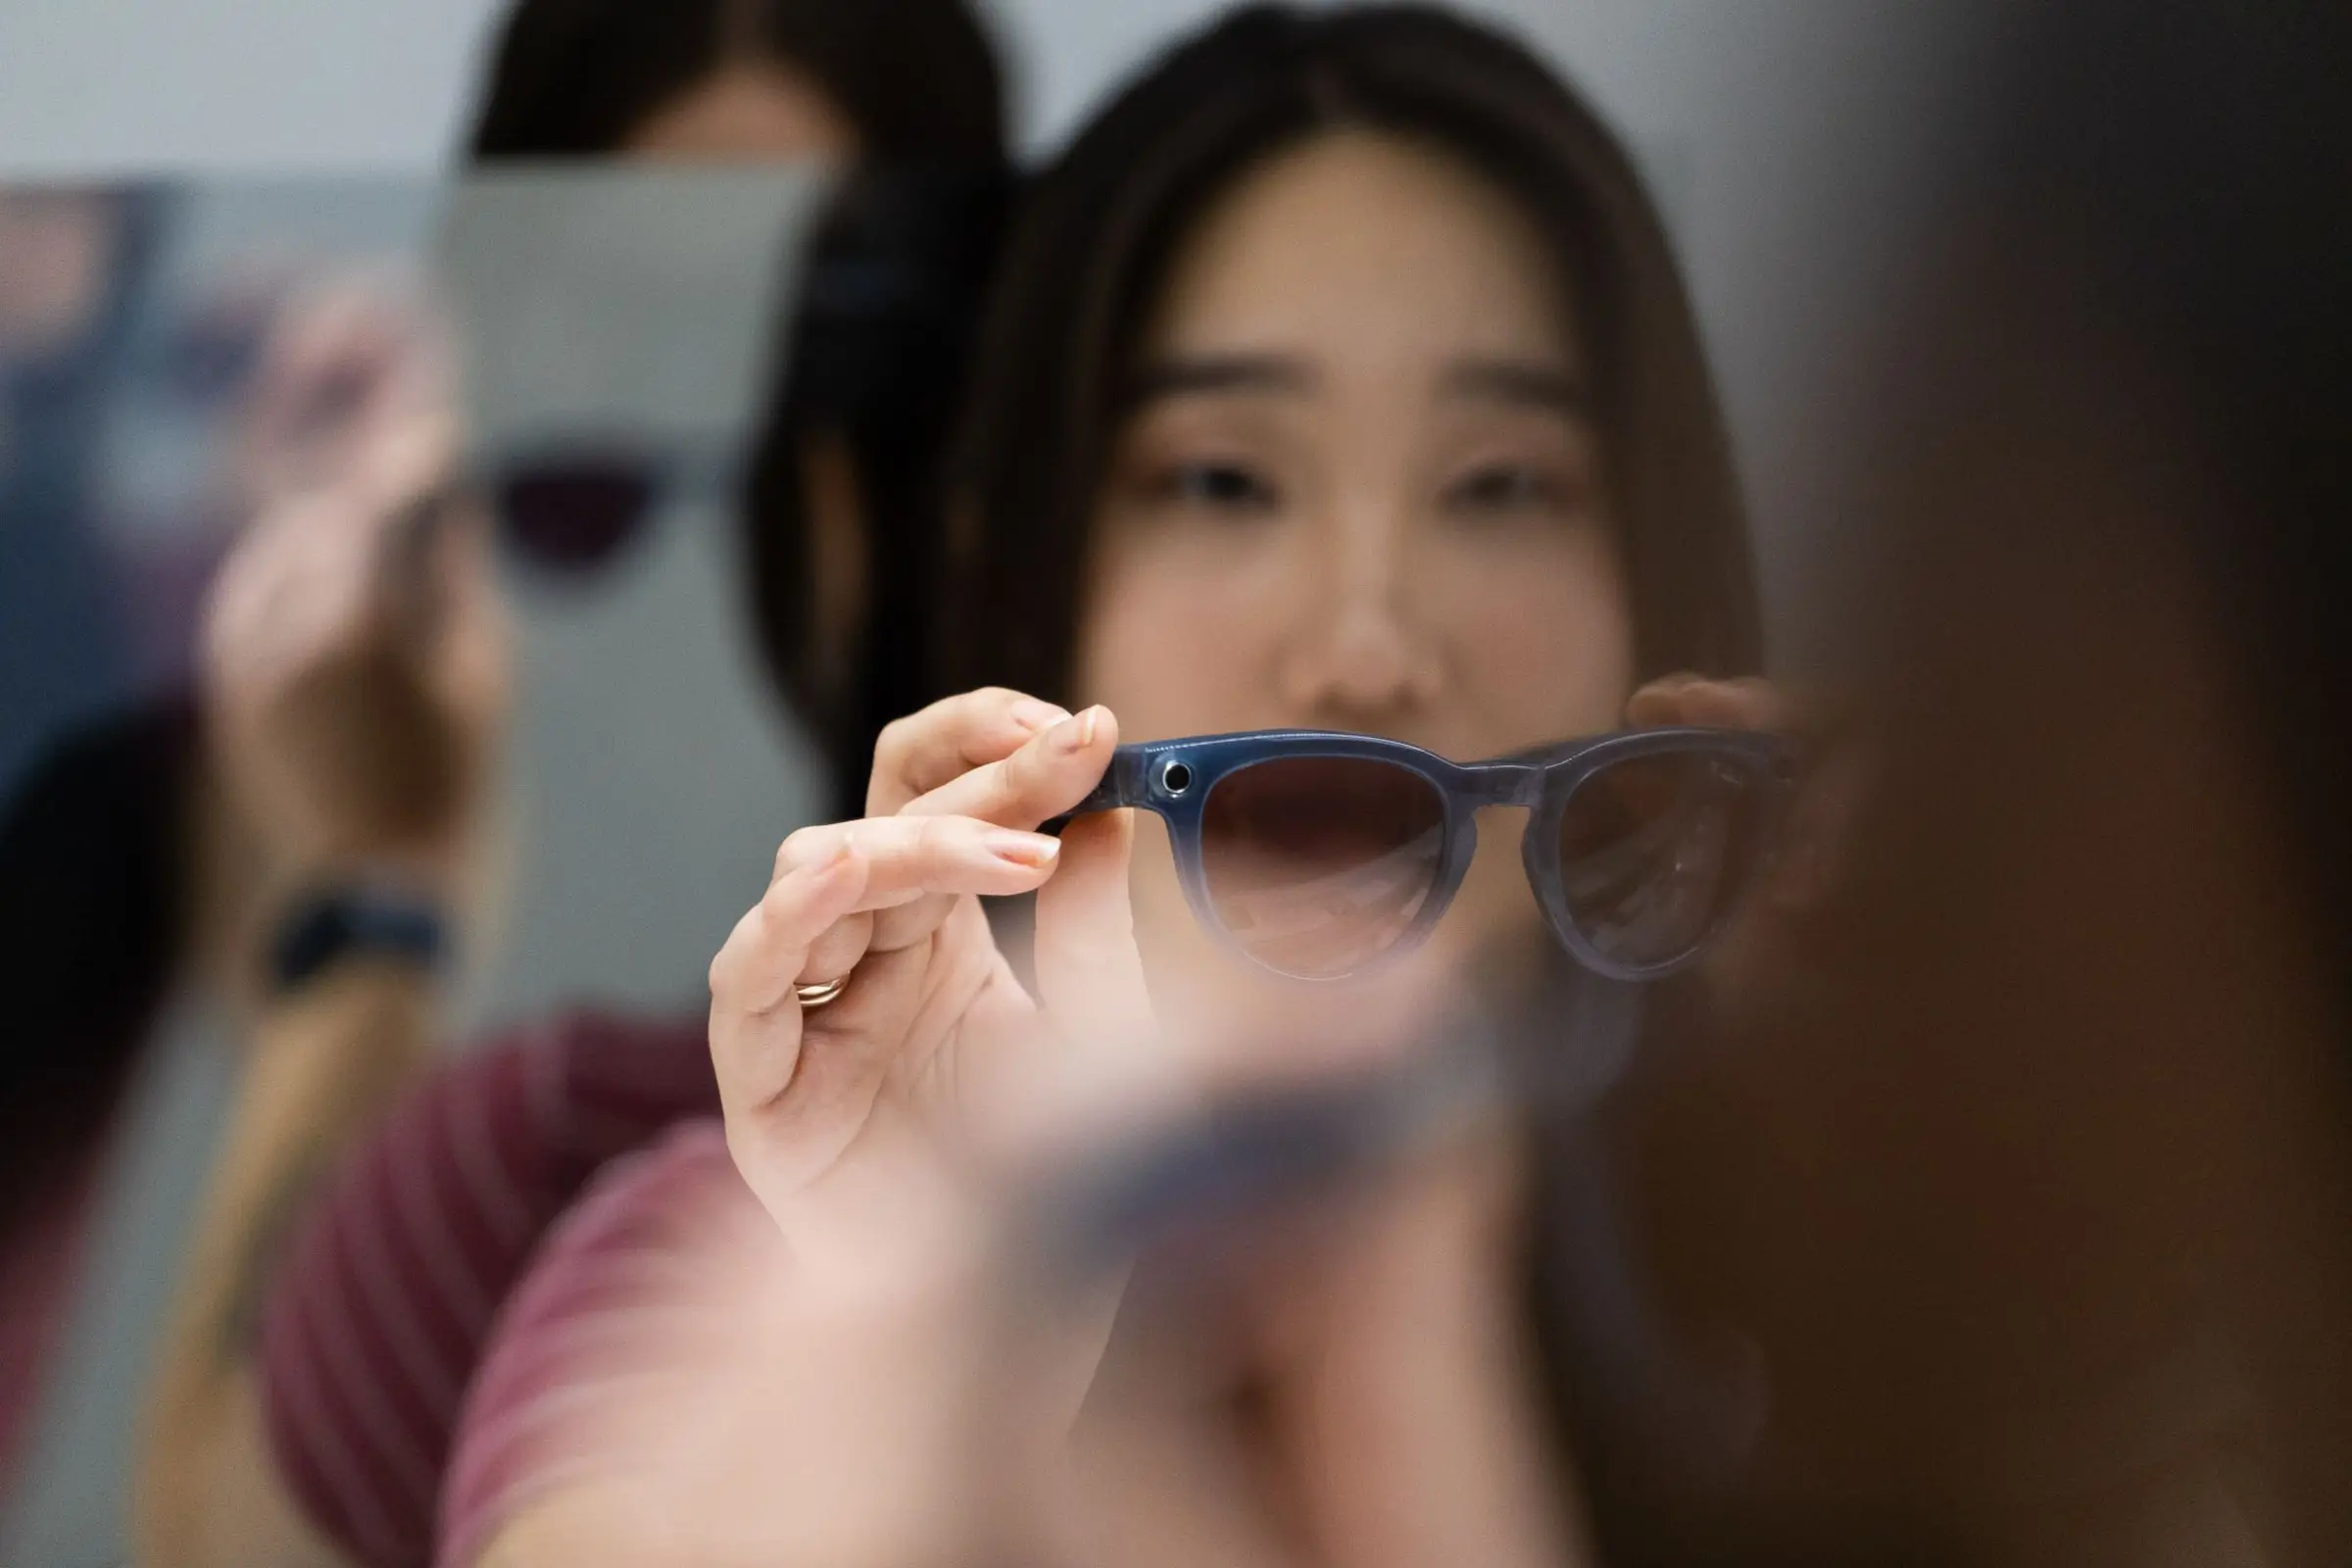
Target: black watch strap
pixel 324 927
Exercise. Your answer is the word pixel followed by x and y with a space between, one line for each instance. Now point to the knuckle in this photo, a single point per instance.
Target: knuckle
pixel 1004 779
pixel 932 835
pixel 892 745
pixel 1030 763
pixel 727 962
pixel 798 847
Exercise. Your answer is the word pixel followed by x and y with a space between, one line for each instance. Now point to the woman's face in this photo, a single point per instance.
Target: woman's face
pixel 754 112
pixel 1360 489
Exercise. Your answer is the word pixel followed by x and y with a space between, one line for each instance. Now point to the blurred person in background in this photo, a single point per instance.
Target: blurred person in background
pixel 1338 375
pixel 135 878
pixel 2037 1146
pixel 2032 1171
pixel 242 1467
pixel 132 877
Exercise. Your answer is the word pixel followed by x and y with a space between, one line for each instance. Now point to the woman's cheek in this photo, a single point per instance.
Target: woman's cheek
pixel 1543 635
pixel 1174 642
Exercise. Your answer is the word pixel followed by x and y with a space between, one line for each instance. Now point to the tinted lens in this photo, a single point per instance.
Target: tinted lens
pixel 577 516
pixel 1318 864
pixel 1655 849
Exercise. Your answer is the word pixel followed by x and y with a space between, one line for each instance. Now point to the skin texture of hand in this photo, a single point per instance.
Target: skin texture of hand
pixel 934 1025
pixel 353 652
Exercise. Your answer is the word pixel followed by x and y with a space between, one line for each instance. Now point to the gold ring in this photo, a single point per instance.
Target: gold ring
pixel 821 993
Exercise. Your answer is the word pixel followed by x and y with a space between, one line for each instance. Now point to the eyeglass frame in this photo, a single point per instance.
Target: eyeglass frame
pixel 1174 779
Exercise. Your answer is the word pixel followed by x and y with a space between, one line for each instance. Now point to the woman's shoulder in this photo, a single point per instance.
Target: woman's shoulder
pixel 607 1305
pixel 410 1258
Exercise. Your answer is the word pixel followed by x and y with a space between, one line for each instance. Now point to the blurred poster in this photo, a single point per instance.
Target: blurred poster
pixel 616 331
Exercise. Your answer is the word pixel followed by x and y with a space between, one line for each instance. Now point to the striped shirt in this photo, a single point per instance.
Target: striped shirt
pixel 397 1276
pixel 594 1328
pixel 38 1267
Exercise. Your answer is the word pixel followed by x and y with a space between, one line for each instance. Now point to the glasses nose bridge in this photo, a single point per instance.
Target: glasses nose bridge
pixel 1485 784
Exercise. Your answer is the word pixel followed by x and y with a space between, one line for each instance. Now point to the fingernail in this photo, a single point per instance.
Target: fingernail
pixel 1031 850
pixel 843 849
pixel 1033 716
pixel 1088 722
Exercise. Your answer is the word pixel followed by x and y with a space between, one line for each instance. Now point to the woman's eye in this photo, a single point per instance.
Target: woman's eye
pixel 1506 488
pixel 1221 486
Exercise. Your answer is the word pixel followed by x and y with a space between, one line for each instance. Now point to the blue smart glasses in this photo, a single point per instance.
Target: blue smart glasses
pixel 1321 854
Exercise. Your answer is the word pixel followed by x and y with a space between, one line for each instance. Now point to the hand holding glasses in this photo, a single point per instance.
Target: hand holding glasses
pixel 1320 854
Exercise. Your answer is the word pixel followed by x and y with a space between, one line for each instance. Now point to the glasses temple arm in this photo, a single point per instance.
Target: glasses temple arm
pixel 1122 785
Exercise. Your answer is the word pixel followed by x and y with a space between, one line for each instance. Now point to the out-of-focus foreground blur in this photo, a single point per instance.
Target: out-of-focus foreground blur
pixel 478 477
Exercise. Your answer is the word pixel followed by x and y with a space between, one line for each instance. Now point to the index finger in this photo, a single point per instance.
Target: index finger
pixel 923 750
pixel 1046 777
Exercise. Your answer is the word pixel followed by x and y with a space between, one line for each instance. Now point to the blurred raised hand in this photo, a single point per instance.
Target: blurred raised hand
pixel 355 652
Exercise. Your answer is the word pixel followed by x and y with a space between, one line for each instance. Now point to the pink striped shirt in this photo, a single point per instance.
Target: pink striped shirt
pixel 582 1334
pixel 38 1269
pixel 395 1280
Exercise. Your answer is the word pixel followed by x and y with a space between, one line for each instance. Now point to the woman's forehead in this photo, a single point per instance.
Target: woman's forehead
pixel 1362 248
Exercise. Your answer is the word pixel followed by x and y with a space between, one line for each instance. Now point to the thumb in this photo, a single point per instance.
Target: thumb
pixel 1090 977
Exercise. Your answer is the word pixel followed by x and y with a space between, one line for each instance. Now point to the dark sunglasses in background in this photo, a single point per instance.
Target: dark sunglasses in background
pixel 573 508
pixel 1320 854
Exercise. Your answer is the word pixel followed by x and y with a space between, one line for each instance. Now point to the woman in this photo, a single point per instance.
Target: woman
pixel 740 80
pixel 1338 376
pixel 2040 1153
pixel 269 1438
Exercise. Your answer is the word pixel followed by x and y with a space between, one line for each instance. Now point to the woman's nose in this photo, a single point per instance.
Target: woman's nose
pixel 1358 653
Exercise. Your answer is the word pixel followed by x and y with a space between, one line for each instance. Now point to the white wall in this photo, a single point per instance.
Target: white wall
pixel 115 86
pixel 112 86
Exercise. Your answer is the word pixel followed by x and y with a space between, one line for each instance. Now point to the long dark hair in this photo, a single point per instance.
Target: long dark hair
pixel 575 78
pixel 1098 235
pixel 872 359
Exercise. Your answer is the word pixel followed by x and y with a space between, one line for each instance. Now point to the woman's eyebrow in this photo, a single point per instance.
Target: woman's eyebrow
pixel 1194 374
pixel 1527 383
